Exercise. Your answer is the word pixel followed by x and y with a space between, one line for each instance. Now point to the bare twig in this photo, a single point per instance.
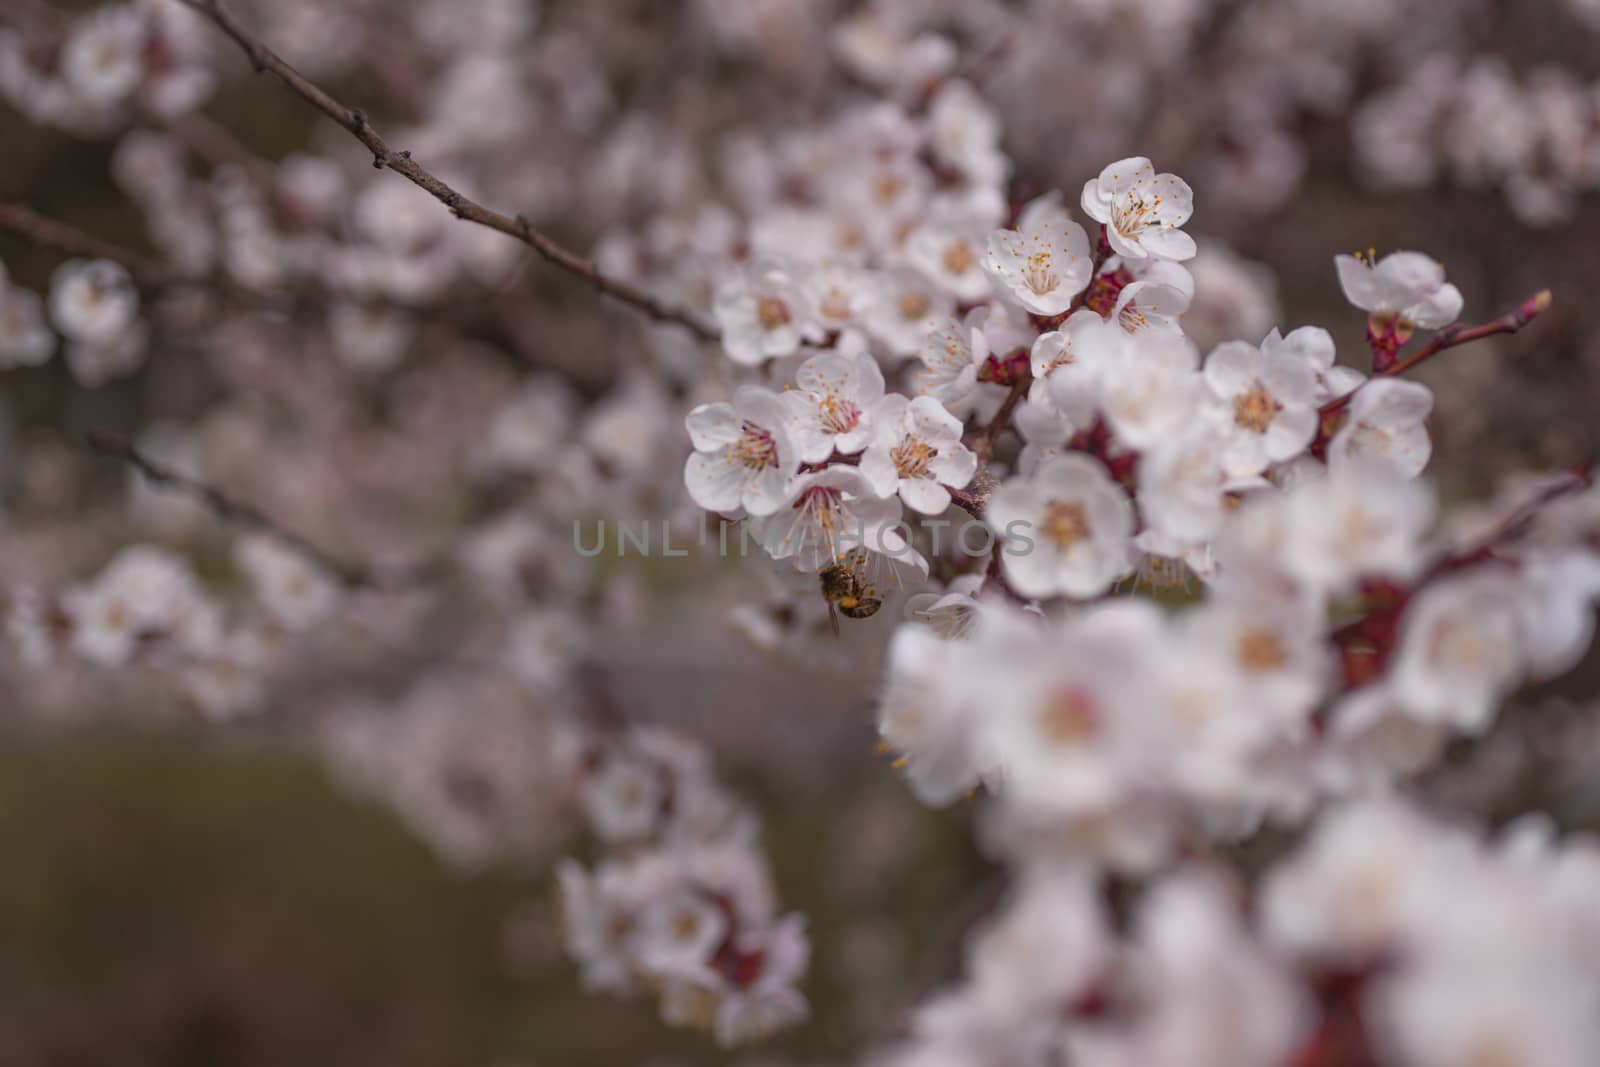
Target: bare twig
pixel 58 236
pixel 267 61
pixel 1515 524
pixel 1453 336
pixel 983 443
pixel 248 517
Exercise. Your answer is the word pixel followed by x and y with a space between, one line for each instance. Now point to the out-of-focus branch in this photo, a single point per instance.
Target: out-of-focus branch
pixel 36 14
pixel 58 236
pixel 269 62
pixel 246 516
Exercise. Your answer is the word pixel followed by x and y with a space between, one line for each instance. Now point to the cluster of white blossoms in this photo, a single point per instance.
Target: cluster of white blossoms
pixel 682 906
pixel 1386 937
pixel 93 307
pixel 1481 125
pixel 108 65
pixel 147 608
pixel 1341 638
pixel 1141 75
pixel 987 418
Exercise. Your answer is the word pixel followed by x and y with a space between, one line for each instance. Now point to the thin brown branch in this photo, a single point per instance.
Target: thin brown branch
pixel 1454 336
pixel 1516 524
pixel 246 516
pixel 983 444
pixel 58 236
pixel 37 15
pixel 266 61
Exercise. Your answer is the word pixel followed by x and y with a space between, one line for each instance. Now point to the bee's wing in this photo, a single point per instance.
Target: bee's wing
pixel 833 619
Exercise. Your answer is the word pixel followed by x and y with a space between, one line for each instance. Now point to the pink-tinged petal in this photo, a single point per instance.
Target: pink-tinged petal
pixel 1244 454
pixel 1438 310
pixel 1038 211
pixel 768 492
pixel 1166 272
pixel 1125 174
pixel 712 426
pixel 1360 285
pixel 1013 502
pixel 1291 382
pixel 848 444
pixel 1177 200
pixel 888 412
pixel 1032 571
pixel 1047 349
pixel 1096 204
pixel 930 417
pixel 1312 344
pixel 1410 275
pixel 742 340
pixel 925 495
pixel 877 467
pixel 1123 246
pixel 866 380
pixel 822 373
pixel 713 483
pixel 955 466
pixel 760 406
pixel 1004 258
pixel 1232 368
pixel 1339 381
pixel 1390 401
pixel 1290 432
pixel 1168 243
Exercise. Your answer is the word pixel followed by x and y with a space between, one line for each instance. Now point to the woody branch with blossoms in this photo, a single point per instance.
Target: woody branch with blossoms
pixel 1166 600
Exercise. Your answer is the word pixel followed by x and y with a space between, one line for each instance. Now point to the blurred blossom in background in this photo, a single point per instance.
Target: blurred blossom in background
pixel 900 533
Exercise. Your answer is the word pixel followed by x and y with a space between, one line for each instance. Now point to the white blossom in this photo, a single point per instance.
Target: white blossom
pixel 1045 262
pixel 1267 410
pixel 1067 528
pixel 916 451
pixel 1142 211
pixel 744 453
pixel 764 313
pixel 834 405
pixel 94 302
pixel 1407 288
pixel 1387 425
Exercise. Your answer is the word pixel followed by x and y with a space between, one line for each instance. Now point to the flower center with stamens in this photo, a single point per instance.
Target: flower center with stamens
pixel 1130 318
pixel 772 313
pixel 821 520
pixel 1065 523
pixel 1255 408
pixel 836 305
pixel 1493 1051
pixel 1458 643
pixel 1062 358
pixel 686 925
pixel 915 305
pixel 1259 651
pixel 958 258
pixel 1070 717
pixel 837 414
pixel 1040 273
pixel 912 457
pixel 1132 217
pixel 887 187
pixel 754 449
